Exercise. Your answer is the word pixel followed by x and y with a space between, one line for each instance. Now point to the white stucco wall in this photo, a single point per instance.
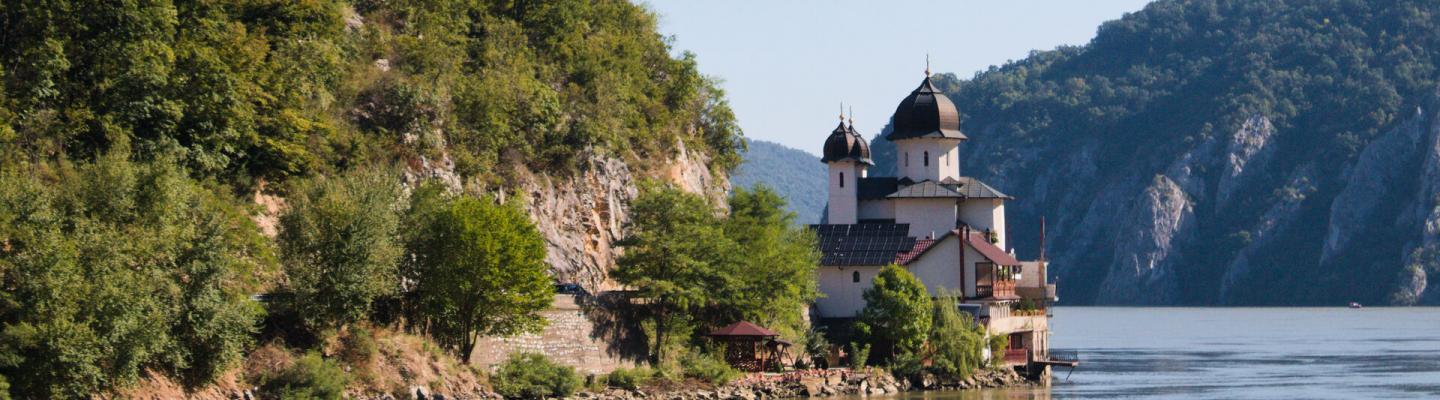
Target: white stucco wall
pixel 940 266
pixel 926 216
pixel 842 207
pixel 982 214
pixel 877 209
pixel 944 159
pixel 843 297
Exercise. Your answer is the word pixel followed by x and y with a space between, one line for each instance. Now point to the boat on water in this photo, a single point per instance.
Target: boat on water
pixel 1356 305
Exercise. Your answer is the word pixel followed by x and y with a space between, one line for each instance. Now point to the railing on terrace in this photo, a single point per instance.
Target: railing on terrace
pixel 995 289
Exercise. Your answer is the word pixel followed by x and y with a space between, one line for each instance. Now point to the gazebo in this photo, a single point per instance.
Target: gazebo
pixel 749 347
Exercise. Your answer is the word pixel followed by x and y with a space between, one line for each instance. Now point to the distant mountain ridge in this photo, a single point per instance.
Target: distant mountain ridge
pixel 1220 153
pixel 793 173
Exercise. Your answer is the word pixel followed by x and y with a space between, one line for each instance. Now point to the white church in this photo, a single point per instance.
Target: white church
pixel 945 228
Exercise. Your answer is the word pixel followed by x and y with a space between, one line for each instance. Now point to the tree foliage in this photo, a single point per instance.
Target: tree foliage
pixel 957 342
pixel 111 268
pixel 898 311
pixel 340 246
pixel 700 270
pixel 479 268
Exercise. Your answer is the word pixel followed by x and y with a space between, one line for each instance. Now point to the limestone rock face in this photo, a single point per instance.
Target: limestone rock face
pixel 1235 213
pixel 1248 152
pixel 582 215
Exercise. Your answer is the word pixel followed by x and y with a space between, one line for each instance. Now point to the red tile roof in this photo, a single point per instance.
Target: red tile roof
pixel 743 328
pixel 987 249
pixel 921 245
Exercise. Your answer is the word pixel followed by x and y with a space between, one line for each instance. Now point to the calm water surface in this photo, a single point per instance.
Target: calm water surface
pixel 1246 353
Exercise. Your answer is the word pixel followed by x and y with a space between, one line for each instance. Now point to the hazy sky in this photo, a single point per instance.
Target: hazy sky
pixel 787 65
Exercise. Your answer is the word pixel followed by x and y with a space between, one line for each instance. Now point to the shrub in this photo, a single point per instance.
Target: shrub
pixel 707 368
pixel 817 348
pixel 532 376
pixel 859 354
pixel 998 344
pixel 629 378
pixel 907 366
pixel 311 377
pixel 358 349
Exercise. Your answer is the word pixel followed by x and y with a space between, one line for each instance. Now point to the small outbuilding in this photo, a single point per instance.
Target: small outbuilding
pixel 750 347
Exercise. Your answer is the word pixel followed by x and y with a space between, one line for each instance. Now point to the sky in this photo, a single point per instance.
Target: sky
pixel 787 65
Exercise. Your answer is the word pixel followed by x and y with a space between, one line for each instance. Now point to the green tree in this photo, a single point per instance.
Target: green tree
pixel 340 246
pixel 674 248
pixel 773 280
pixel 956 343
pixel 114 267
pixel 898 311
pixel 479 268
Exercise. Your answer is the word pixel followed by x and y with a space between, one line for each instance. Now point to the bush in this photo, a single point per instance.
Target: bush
pixel 358 349
pixel 859 354
pixel 311 377
pixel 998 344
pixel 707 368
pixel 532 376
pixel 907 366
pixel 629 378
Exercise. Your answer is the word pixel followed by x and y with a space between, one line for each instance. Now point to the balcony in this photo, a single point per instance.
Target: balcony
pixel 996 289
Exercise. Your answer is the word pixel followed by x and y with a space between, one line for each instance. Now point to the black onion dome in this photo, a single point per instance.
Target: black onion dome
pixel 845 144
pixel 861 149
pixel 925 113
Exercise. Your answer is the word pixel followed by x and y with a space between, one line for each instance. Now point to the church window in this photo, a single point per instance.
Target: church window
pixel 842 179
pixel 907 158
pixel 855 276
pixel 927 158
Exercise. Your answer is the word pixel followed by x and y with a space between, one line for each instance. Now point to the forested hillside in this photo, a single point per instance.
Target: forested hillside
pixel 794 174
pixel 1223 152
pixel 161 162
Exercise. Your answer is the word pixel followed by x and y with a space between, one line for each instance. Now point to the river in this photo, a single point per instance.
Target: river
pixel 1238 353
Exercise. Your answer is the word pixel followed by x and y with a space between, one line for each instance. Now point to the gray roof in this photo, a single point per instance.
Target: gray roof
pixel 975 189
pixel 926 189
pixel 964 188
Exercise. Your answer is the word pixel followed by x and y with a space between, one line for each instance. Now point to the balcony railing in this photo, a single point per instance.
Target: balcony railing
pixel 996 289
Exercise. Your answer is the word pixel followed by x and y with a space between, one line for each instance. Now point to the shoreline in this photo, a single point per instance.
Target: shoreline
pixel 809 384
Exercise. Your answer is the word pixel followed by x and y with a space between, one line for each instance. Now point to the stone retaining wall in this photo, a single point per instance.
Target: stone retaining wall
pixel 585 332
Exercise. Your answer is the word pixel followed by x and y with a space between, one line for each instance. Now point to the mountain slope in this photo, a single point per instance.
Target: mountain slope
pixel 794 174
pixel 1217 152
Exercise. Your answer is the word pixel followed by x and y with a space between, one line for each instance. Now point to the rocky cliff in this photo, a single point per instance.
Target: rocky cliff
pixel 1222 153
pixel 582 215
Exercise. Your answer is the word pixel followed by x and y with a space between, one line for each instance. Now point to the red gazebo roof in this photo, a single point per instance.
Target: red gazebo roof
pixel 743 328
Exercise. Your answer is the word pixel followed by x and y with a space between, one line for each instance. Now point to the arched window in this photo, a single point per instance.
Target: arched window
pixel 855 276
pixel 907 158
pixel 842 179
pixel 927 158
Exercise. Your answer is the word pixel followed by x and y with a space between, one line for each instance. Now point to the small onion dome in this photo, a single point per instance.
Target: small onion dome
pixel 926 113
pixel 845 144
pixel 861 149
